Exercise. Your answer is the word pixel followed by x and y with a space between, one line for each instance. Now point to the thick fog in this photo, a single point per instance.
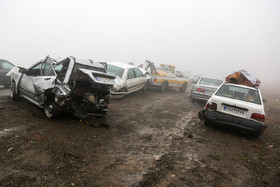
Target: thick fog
pixel 203 37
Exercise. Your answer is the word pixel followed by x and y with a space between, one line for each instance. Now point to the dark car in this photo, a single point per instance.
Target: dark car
pixel 5 67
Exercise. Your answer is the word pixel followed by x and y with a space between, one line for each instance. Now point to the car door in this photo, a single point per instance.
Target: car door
pixel 36 80
pixel 5 67
pixel 131 81
pixel 140 78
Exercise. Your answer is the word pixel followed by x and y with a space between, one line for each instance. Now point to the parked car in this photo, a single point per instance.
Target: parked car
pixel 204 87
pixel 129 78
pixel 5 67
pixel 72 85
pixel 235 106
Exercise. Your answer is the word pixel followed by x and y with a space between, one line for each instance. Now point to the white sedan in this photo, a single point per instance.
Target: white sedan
pixel 129 78
pixel 236 106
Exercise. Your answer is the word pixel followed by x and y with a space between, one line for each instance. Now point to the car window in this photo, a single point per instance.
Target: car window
pixel 58 68
pixel 35 70
pixel 239 93
pixel 130 74
pixel 47 69
pixel 138 73
pixel 209 81
pixel 7 65
pixel 114 70
pixel 63 71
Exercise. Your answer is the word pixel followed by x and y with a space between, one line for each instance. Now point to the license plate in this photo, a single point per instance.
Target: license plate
pixel 234 110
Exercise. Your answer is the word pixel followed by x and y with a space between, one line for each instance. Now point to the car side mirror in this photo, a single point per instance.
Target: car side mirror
pixel 264 100
pixel 22 70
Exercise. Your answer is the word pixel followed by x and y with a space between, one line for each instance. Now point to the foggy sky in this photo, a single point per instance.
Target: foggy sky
pixel 202 36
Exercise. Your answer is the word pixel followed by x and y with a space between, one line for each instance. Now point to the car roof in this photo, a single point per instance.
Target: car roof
pixel 122 65
pixel 240 85
pixel 210 78
pixel 2 60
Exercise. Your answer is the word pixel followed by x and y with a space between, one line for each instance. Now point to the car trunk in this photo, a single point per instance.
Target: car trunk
pixel 209 90
pixel 90 92
pixel 236 107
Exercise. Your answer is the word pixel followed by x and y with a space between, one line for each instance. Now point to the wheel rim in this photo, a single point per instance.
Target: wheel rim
pixel 49 110
pixel 12 90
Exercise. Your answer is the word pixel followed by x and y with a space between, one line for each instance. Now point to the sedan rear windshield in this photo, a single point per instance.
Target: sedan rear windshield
pixel 209 81
pixel 114 70
pixel 240 93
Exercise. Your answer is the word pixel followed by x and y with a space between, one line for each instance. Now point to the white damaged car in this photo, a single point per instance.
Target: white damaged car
pixel 72 85
pixel 129 78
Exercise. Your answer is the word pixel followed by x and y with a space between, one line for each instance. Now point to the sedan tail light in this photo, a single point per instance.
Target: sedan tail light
pixel 259 117
pixel 200 90
pixel 212 106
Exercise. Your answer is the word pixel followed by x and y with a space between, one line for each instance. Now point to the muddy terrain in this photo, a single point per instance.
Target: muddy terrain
pixel 146 139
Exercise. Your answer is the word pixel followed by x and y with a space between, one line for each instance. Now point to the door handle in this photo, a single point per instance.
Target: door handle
pixel 46 79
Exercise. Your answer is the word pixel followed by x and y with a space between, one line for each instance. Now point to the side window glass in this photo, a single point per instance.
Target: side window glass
pixel 35 71
pixel 138 72
pixel 7 66
pixel 48 70
pixel 130 74
pixel 63 72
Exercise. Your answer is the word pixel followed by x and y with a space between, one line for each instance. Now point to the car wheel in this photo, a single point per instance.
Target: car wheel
pixel 183 87
pixel 13 94
pixel 51 110
pixel 207 123
pixel 163 87
pixel 145 88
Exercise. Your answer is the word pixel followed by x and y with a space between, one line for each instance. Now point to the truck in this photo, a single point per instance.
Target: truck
pixel 165 76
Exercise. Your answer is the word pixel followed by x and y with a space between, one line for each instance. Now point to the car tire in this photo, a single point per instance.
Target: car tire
pixel 207 123
pixel 51 109
pixel 163 87
pixel 14 96
pixel 146 86
pixel 183 87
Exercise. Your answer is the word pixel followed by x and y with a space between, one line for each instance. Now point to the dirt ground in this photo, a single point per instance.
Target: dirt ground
pixel 147 139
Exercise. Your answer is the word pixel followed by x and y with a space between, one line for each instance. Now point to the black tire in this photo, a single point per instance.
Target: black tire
pixel 14 96
pixel 51 109
pixel 207 123
pixel 146 86
pixel 183 87
pixel 163 87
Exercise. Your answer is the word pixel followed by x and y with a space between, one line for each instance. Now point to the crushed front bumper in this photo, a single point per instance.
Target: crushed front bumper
pixel 230 121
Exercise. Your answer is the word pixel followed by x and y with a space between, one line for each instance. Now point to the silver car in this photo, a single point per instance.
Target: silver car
pixel 80 86
pixel 129 78
pixel 5 67
pixel 204 87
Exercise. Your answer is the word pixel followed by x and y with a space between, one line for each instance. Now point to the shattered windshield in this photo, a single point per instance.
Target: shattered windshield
pixel 209 81
pixel 114 70
pixel 240 93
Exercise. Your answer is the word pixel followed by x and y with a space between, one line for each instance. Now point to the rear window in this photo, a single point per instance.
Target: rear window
pixel 114 70
pixel 209 81
pixel 239 93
